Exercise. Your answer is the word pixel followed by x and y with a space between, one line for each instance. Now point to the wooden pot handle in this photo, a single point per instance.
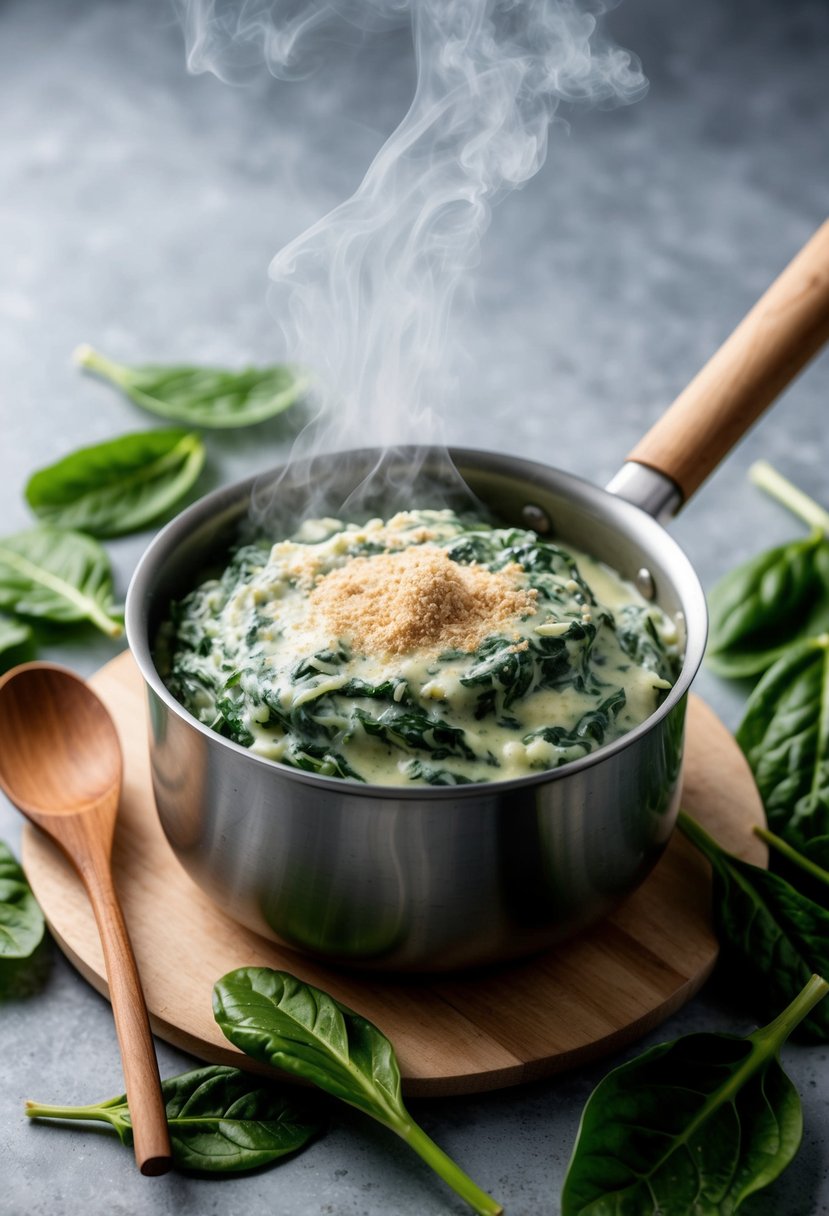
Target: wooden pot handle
pixel 784 329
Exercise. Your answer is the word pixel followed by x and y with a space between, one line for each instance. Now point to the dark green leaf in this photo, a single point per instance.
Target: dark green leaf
pixel 277 1019
pixel 748 663
pixel 505 672
pixel 772 937
pixel 817 852
pixel 806 868
pixel 317 758
pixel 57 576
pixel 754 607
pixel 202 396
pixel 120 486
pixel 281 1021
pixel 785 736
pixel 639 637
pixel 692 1127
pixel 416 770
pixel 221 1120
pixel 15 642
pixel 395 689
pixel 21 920
pixel 414 728
pixel 589 731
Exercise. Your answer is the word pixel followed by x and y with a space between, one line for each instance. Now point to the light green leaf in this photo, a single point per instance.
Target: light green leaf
pixel 59 576
pixel 202 396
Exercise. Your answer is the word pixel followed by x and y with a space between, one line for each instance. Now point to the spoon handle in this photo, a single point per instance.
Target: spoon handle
pixel 148 1115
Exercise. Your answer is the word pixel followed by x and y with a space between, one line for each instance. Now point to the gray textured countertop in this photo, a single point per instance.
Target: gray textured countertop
pixel 139 210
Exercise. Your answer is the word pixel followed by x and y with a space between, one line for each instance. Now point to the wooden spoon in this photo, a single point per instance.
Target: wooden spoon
pixel 60 764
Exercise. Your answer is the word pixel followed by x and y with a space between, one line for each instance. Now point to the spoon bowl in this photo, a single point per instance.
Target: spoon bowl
pixel 60 764
pixel 60 747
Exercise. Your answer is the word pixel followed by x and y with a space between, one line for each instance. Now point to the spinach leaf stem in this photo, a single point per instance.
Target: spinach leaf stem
pixel 447 1169
pixel 779 487
pixel 792 855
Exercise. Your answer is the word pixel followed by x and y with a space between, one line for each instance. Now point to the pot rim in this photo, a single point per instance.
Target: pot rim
pixel 631 518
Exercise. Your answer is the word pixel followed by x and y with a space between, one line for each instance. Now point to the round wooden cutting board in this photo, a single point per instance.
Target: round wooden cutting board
pixel 453 1034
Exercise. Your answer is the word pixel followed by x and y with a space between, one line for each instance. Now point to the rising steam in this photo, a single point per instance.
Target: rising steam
pixel 365 295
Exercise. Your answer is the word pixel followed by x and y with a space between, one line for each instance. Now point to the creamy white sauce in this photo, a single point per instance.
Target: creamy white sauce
pixel 255 632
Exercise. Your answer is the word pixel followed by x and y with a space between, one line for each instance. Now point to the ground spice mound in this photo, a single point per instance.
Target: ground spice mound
pixel 418 598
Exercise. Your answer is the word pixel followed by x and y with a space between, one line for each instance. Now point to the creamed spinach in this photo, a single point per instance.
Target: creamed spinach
pixel 427 649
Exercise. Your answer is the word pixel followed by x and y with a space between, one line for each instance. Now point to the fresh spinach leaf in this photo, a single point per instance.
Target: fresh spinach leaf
pixel 816 851
pixel 753 608
pixel 221 1120
pixel 772 936
pixel 806 868
pixel 57 575
pixel 692 1126
pixel 119 486
pixel 775 599
pixel 15 642
pixel 785 736
pixel 210 397
pixel 281 1021
pixel 21 920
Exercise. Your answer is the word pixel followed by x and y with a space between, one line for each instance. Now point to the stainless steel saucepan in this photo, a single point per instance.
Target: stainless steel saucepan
pixel 433 878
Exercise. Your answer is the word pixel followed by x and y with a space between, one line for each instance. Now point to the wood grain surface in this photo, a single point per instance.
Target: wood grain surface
pixel 453 1034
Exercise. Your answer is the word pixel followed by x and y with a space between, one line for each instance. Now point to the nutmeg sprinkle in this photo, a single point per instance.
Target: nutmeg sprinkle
pixel 419 599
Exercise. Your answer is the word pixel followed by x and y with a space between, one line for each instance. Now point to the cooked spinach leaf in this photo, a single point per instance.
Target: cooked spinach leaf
pixel 418 771
pixel 506 674
pixel 641 641
pixel 692 1126
pixel 58 575
pixel 591 729
pixel 281 1021
pixel 772 936
pixel 221 1120
pixel 15 642
pixel 119 486
pixel 21 920
pixel 413 728
pixel 785 736
pixel 394 689
pixel 201 396
pixel 316 758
